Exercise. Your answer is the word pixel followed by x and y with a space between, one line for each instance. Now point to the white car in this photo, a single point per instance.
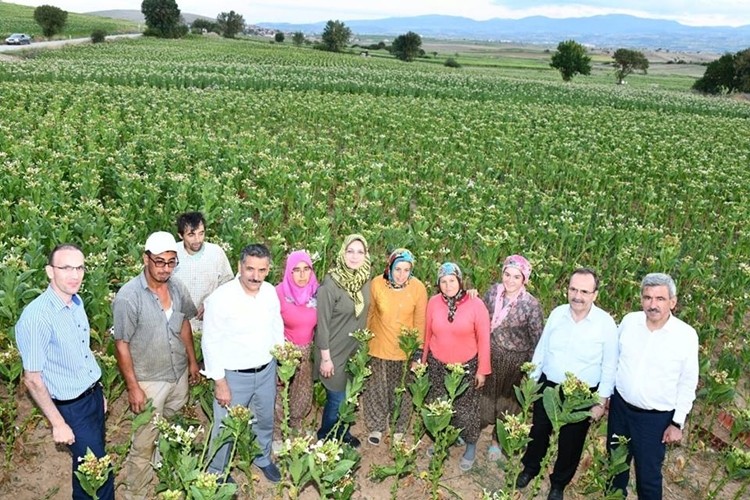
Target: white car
pixel 18 39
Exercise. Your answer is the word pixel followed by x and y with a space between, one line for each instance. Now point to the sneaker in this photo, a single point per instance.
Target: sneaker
pixel 271 472
pixel 523 479
pixel 374 438
pixel 351 441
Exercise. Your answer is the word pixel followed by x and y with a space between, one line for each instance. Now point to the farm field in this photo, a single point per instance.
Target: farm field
pixel 103 144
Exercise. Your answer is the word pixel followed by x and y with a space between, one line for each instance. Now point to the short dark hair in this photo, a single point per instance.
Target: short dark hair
pixel 258 250
pixel 189 220
pixel 590 272
pixel 61 246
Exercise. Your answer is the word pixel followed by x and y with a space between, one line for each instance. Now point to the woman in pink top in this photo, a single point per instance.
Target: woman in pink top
pixel 298 310
pixel 457 330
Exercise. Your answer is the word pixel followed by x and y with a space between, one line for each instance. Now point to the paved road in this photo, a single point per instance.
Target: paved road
pixel 60 43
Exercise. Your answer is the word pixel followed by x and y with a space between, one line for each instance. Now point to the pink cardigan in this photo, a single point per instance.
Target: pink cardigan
pixel 460 341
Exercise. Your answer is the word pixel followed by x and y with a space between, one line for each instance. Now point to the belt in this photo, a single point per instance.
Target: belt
pixel 91 389
pixel 252 370
pixel 637 409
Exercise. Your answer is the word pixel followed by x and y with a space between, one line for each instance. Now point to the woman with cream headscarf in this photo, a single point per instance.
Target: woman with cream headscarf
pixel 343 299
pixel 397 300
pixel 517 323
pixel 298 310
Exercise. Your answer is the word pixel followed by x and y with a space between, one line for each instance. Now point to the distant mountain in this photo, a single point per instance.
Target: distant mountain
pixel 608 31
pixel 137 16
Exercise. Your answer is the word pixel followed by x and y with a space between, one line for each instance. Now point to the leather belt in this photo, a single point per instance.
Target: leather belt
pixel 252 370
pixel 92 388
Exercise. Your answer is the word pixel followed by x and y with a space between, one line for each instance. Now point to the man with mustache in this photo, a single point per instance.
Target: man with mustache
pixel 242 323
pixel 203 266
pixel 579 338
pixel 657 373
pixel 154 350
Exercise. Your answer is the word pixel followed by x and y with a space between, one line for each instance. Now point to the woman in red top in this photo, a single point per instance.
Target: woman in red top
pixel 298 310
pixel 457 330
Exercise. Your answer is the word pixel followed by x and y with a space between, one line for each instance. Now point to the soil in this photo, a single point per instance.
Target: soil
pixel 41 470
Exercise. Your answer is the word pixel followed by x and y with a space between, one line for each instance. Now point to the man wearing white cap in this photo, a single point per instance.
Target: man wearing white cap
pixel 154 350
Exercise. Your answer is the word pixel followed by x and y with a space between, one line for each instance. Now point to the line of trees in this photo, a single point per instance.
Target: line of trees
pixel 730 73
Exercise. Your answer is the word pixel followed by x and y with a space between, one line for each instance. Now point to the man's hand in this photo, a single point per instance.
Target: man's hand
pixel 597 412
pixel 200 313
pixel 479 381
pixel 63 434
pixel 222 393
pixel 672 435
pixel 194 373
pixel 137 399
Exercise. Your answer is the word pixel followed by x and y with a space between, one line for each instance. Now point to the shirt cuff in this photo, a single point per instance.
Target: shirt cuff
pixel 213 374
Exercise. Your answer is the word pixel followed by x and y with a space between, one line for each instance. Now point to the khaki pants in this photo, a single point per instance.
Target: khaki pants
pixel 168 398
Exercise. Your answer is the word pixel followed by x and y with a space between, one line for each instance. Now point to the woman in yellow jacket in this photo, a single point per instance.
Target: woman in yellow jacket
pixel 398 300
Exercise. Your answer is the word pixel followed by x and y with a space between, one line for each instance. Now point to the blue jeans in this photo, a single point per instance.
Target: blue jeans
pixel 85 417
pixel 331 414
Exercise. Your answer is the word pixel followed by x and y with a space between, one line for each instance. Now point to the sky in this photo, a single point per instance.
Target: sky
pixel 694 13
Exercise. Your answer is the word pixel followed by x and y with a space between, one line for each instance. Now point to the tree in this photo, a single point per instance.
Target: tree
pixel 298 38
pixel 52 19
pixel 719 76
pixel 742 70
pixel 407 47
pixel 571 59
pixel 626 61
pixel 230 23
pixel 335 36
pixel 162 18
pixel 279 37
pixel 201 24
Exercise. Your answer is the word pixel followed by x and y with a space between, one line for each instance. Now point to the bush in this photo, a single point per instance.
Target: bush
pixel 452 63
pixel 98 36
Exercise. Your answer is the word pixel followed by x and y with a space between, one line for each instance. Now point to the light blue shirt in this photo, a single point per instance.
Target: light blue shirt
pixel 53 338
pixel 588 348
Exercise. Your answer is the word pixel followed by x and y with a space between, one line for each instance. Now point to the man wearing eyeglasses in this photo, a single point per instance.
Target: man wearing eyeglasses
pixel 60 370
pixel 657 373
pixel 579 338
pixel 203 266
pixel 154 350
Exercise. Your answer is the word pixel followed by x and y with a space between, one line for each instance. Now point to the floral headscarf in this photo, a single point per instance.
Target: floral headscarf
pixel 500 312
pixel 352 280
pixel 398 255
pixel 300 295
pixel 447 269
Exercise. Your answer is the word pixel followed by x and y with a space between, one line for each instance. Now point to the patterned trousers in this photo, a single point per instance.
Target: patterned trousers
pixel 379 396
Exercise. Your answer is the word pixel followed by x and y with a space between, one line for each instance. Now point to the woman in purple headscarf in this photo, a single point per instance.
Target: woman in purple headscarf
pixel 298 310
pixel 516 325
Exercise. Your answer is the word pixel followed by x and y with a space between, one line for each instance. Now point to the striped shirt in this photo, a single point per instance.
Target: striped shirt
pixel 154 340
pixel 53 338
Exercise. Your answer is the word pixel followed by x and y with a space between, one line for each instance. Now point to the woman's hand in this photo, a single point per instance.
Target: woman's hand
pixel 479 381
pixel 326 368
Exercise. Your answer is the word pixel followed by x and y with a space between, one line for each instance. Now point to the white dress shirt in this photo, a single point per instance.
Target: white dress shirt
pixel 239 330
pixel 587 348
pixel 658 370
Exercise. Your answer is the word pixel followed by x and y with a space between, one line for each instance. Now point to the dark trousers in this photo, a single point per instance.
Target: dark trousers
pixel 645 430
pixel 570 444
pixel 86 418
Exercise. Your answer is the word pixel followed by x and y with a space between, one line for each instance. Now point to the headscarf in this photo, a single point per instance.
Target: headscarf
pixel 352 280
pixel 293 293
pixel 447 269
pixel 398 255
pixel 500 312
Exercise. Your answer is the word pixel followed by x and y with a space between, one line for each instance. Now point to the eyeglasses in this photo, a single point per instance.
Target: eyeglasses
pixel 164 263
pixel 303 270
pixel 67 269
pixel 574 291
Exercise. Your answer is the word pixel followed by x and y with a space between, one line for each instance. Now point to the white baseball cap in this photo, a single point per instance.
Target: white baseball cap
pixel 160 242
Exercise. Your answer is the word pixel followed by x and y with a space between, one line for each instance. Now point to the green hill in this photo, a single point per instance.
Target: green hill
pixel 20 19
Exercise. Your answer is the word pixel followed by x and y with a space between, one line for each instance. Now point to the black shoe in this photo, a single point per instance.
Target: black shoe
pixel 271 472
pixel 523 479
pixel 555 493
pixel 351 441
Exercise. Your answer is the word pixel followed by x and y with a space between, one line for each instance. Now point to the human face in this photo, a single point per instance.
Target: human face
pixel 253 272
pixel 66 273
pixel 449 285
pixel 159 266
pixel 581 294
pixel 354 255
pixel 512 280
pixel 301 274
pixel 401 272
pixel 193 238
pixel 657 304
